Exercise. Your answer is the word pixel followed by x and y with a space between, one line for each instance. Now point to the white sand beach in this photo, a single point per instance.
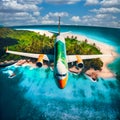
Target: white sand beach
pixel 42 32
pixel 104 48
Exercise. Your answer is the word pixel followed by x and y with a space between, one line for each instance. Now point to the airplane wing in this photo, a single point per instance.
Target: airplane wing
pixel 73 58
pixel 32 55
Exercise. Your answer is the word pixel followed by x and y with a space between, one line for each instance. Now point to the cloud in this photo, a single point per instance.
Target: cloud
pixel 106 10
pixel 48 18
pixel 110 3
pixel 30 1
pixel 48 22
pixel 106 20
pixel 36 13
pixel 75 19
pixel 19 18
pixel 17 12
pixel 92 2
pixel 106 17
pixel 27 12
pixel 14 6
pixel 101 16
pixel 56 14
pixel 62 1
pixel 23 17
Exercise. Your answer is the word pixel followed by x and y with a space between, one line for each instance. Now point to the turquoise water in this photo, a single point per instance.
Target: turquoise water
pixel 33 94
pixel 107 35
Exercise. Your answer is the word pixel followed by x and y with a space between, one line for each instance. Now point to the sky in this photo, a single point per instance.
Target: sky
pixel 105 13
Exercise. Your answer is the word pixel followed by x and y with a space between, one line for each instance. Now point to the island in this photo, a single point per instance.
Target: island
pixel 41 41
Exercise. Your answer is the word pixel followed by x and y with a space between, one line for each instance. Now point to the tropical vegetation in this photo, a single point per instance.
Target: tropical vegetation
pixel 28 41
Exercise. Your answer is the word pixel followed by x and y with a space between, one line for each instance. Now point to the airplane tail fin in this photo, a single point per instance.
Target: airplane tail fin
pixel 54 32
pixel 59 32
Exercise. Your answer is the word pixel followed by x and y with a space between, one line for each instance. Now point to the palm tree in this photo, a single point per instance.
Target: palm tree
pixel 86 40
pixel 94 44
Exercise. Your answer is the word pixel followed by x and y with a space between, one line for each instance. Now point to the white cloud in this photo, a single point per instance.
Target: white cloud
pixel 48 22
pixel 92 2
pixel 30 1
pixel 26 12
pixel 17 19
pixel 110 3
pixel 106 10
pixel 13 6
pixel 23 16
pixel 48 18
pixel 56 14
pixel 62 1
pixel 75 19
pixel 17 12
pixel 106 17
pixel 101 16
pixel 105 20
pixel 36 13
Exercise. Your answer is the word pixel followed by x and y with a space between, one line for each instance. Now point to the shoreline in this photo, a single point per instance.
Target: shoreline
pixel 104 48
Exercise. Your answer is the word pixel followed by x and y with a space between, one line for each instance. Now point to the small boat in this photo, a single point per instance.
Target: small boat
pixel 12 75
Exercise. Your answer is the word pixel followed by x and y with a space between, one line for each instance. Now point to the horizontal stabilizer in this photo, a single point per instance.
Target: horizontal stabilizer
pixel 62 33
pixel 54 32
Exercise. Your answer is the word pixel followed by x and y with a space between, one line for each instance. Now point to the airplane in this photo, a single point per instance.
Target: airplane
pixel 60 58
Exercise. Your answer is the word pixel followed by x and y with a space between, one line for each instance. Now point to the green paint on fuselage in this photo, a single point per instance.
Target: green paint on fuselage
pixel 60 53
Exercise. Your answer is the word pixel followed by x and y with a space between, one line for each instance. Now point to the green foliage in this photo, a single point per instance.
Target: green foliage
pixel 28 41
pixel 93 63
pixel 73 46
pixel 24 41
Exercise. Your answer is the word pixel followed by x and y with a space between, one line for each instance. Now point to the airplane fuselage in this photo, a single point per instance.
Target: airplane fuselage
pixel 60 62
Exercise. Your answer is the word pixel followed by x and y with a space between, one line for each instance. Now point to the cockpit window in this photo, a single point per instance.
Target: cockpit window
pixel 61 75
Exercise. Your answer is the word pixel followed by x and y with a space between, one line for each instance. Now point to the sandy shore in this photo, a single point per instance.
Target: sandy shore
pixel 104 48
pixel 41 32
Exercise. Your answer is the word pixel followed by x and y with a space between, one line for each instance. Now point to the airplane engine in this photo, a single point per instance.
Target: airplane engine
pixel 40 60
pixel 79 62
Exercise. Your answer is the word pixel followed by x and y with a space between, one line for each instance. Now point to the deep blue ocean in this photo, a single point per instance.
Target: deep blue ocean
pixel 33 95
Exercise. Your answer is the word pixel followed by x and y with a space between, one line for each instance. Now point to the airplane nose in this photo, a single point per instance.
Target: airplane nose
pixel 62 83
